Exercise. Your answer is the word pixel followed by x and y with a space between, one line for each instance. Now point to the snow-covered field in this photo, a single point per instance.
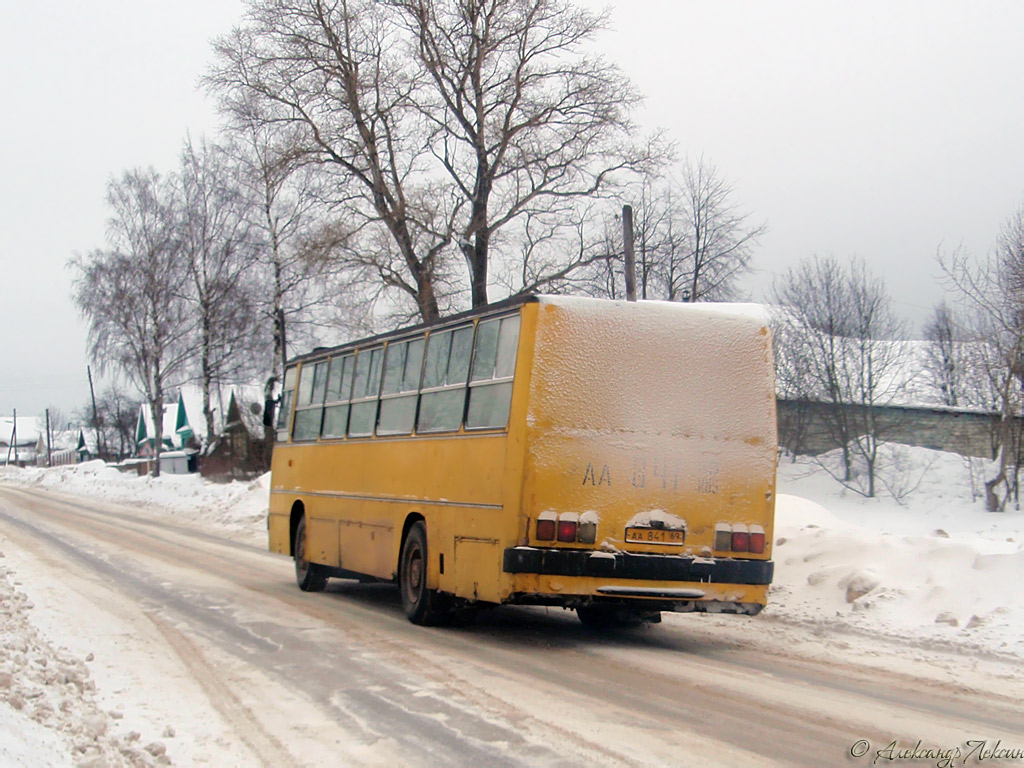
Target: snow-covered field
pixel 933 569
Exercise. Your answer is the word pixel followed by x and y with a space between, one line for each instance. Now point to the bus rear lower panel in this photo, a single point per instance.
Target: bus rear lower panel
pixel 651 582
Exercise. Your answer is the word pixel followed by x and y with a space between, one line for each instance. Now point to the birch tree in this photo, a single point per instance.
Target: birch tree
pixel 217 252
pixel 294 285
pixel 130 292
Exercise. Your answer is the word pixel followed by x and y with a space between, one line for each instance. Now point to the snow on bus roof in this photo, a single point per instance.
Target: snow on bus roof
pixel 749 311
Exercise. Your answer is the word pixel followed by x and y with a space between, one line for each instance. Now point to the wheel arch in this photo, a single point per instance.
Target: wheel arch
pixel 410 520
pixel 298 511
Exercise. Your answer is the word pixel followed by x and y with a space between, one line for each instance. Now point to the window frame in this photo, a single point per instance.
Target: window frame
pixel 283 427
pixel 318 368
pixel 495 380
pixel 446 387
pixel 412 393
pixel 366 399
pixel 347 360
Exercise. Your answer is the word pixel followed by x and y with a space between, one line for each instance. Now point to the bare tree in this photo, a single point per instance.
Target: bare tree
pixel 944 354
pixel 498 113
pixel 692 242
pixel 840 335
pixel 116 415
pixel 719 238
pixel 130 293
pixel 992 291
pixel 521 119
pixel 330 74
pixel 559 255
pixel 218 255
pixel 296 280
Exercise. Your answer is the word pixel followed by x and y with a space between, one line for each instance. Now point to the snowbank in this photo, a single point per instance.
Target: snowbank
pixel 237 506
pixel 49 715
pixel 935 568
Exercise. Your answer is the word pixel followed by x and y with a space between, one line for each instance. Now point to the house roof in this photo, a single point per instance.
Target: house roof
pixel 30 428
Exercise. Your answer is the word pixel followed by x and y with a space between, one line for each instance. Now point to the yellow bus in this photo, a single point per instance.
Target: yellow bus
pixel 611 457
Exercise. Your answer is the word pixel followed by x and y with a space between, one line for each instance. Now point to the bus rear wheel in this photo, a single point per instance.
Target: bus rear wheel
pixel 310 577
pixel 422 605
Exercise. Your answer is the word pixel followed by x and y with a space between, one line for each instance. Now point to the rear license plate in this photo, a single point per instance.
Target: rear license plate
pixel 654 536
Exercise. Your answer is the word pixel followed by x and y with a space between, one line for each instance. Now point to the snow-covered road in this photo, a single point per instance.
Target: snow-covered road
pixel 202 651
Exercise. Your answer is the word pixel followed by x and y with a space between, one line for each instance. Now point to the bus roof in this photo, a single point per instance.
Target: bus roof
pixel 500 306
pixel 749 311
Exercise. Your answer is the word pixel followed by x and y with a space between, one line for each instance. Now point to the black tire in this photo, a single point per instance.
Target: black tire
pixel 310 577
pixel 422 606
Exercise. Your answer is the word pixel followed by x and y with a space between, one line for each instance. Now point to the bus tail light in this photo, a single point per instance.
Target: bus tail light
pixel 740 538
pixel 567 530
pixel 568 527
pixel 587 532
pixel 723 537
pixel 546 524
pixel 756 540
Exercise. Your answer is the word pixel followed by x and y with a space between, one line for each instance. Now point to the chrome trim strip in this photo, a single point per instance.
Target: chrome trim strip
pixel 688 594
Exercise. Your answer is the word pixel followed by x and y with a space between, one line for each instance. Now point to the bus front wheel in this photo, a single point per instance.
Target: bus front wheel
pixel 310 576
pixel 422 605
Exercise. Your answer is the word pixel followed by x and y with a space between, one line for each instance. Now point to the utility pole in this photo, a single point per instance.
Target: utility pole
pixel 48 452
pixel 627 239
pixel 14 440
pixel 95 417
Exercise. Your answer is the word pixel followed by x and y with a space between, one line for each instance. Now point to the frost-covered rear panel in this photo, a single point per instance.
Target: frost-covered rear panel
pixel 652 415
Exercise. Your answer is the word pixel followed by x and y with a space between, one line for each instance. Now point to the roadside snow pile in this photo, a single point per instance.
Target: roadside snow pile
pixel 234 505
pixel 49 715
pixel 937 568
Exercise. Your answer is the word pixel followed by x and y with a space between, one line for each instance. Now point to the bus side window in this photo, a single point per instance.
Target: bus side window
pixel 366 387
pixel 339 390
pixel 494 364
pixel 309 407
pixel 284 413
pixel 443 395
pixel 403 365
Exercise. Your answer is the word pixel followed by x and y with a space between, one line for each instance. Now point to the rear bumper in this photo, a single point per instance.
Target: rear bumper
pixel 623 565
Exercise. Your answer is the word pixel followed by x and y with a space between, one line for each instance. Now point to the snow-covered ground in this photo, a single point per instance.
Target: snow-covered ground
pixel 932 566
pixel 236 507
pixel 933 569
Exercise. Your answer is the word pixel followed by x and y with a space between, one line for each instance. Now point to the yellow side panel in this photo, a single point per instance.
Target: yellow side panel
pixel 280 537
pixel 478 568
pixel 366 548
pixel 368 489
pixel 322 536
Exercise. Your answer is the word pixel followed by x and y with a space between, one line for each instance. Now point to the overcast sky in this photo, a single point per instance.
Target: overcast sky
pixel 877 129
